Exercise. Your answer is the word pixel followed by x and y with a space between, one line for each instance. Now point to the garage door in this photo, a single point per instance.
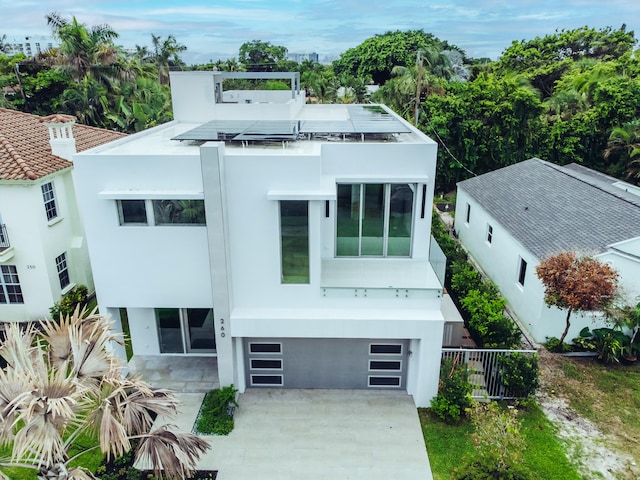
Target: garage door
pixel 326 363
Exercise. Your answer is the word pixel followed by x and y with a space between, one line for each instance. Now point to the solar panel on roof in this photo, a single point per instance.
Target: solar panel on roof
pixel 362 120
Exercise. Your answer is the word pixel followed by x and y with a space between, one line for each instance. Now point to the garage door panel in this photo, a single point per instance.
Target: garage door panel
pixel 327 363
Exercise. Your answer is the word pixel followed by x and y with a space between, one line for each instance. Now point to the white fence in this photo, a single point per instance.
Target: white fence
pixel 485 372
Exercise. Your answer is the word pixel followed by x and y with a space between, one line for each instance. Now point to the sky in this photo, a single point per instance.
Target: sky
pixel 214 29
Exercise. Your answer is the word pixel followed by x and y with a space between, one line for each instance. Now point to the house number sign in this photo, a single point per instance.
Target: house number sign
pixel 222 327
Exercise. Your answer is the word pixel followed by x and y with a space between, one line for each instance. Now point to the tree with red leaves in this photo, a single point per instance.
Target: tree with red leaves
pixel 577 283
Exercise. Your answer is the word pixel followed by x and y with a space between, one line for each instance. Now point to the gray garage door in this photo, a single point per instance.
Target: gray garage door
pixel 326 363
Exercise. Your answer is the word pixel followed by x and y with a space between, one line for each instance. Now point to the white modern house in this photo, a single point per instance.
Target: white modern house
pixel 43 252
pixel 292 241
pixel 512 218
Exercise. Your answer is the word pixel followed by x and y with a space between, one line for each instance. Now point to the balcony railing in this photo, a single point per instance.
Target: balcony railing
pixel 4 238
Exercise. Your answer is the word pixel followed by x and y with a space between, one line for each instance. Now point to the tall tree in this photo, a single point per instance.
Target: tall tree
pixel 165 55
pixel 63 382
pixel 623 149
pixel 577 284
pixel 85 51
pixel 259 56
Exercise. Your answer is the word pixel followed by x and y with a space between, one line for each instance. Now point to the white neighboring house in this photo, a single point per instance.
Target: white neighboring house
pixel 311 266
pixel 512 218
pixel 43 253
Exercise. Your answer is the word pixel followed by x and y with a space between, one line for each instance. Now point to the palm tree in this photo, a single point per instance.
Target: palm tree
pixel 623 150
pixel 4 46
pixel 62 382
pixel 85 52
pixel 165 55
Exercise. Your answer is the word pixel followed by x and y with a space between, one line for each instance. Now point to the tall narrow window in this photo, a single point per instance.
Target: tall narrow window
pixel 63 270
pixel 294 240
pixel 522 272
pixel 49 201
pixel 10 291
pixel 374 219
pixel 468 215
pixel 489 234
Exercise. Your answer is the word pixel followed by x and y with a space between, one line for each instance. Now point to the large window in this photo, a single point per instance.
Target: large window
pixel 375 219
pixel 10 291
pixel 161 212
pixel 186 330
pixel 63 270
pixel 294 240
pixel 49 201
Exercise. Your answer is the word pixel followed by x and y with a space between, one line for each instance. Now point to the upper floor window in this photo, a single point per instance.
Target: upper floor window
pixel 489 234
pixel 375 219
pixel 161 212
pixel 294 240
pixel 522 272
pixel 468 214
pixel 63 270
pixel 49 201
pixel 10 291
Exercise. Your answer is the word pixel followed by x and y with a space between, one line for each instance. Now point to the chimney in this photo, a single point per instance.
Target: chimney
pixel 61 135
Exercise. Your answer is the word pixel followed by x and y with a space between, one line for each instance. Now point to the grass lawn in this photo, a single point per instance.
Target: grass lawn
pixel 90 460
pixel 448 444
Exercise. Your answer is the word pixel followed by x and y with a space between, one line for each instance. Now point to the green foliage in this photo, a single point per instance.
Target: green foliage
pixel 487 322
pixel 216 413
pixel 520 374
pixel 499 445
pixel 375 57
pixel 259 56
pixel 609 344
pixel 454 392
pixel 67 305
pixel 584 341
pixel 553 345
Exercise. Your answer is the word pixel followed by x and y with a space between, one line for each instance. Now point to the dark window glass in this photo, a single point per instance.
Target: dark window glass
pixel 259 363
pixel 294 241
pixel 522 271
pixel 265 348
pixel 63 270
pixel 169 330
pixel 266 379
pixel 10 291
pixel 179 212
pixel 133 211
pixel 384 364
pixel 384 381
pixel 385 349
pixel 49 201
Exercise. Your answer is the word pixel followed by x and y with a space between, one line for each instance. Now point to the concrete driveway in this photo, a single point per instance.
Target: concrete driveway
pixel 317 434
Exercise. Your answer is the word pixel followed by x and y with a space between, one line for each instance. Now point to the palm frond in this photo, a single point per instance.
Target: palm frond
pixel 173 455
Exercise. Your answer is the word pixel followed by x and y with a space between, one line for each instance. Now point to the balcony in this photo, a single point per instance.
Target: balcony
pixel 6 250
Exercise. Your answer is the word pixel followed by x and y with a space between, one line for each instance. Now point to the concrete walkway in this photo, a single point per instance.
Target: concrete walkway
pixel 316 434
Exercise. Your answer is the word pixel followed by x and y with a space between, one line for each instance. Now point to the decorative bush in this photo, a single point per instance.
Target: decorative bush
pixel 67 305
pixel 609 344
pixel 486 321
pixel 520 374
pixel 454 392
pixel 216 416
pixel 553 345
pixel 499 446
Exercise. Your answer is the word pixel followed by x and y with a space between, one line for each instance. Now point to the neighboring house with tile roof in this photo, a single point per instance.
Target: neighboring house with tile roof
pixel 43 251
pixel 289 240
pixel 512 218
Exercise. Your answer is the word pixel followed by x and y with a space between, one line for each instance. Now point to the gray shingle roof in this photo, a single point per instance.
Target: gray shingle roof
pixel 549 208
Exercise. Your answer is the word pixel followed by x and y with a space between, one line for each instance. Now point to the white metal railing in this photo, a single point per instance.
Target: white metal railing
pixel 485 372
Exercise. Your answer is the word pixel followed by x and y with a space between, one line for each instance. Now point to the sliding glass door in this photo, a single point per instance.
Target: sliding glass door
pixel 185 330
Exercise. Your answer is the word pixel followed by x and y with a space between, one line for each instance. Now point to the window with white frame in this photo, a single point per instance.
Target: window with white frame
pixel 186 330
pixel 374 219
pixel 63 270
pixel 161 212
pixel 10 291
pixel 49 198
pixel 522 271
pixel 489 234
pixel 468 214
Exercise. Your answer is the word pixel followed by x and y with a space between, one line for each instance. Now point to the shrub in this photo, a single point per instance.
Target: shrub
pixel 609 344
pixel 215 415
pixel 487 323
pixel 67 305
pixel 499 445
pixel 520 374
pixel 553 345
pixel 454 392
pixel 464 278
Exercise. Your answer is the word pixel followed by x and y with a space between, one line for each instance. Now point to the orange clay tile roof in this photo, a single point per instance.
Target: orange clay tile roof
pixel 25 153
